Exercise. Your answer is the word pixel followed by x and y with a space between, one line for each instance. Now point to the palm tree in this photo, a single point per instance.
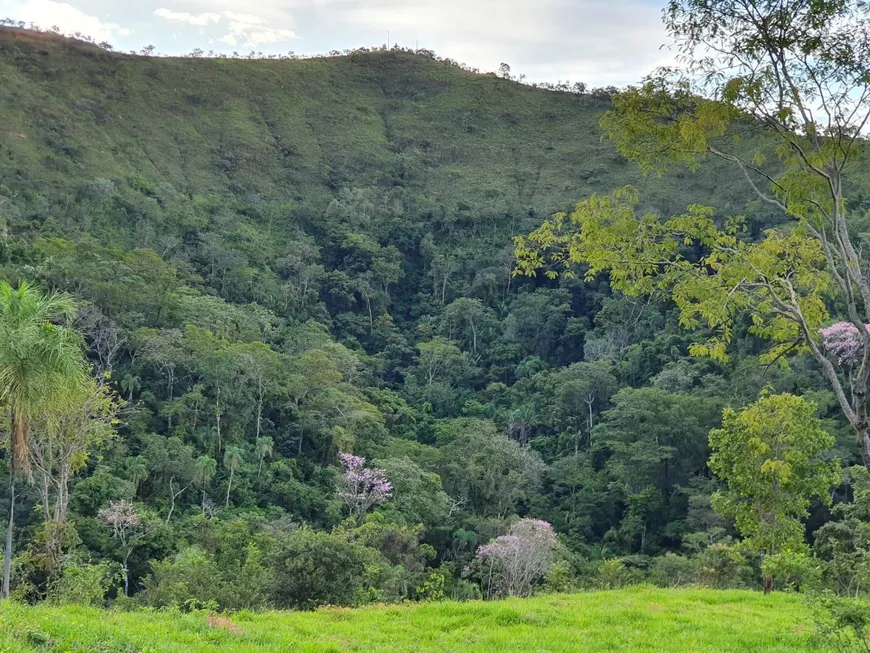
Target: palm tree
pixel 137 471
pixel 233 457
pixel 38 360
pixel 129 384
pixel 264 449
pixel 206 468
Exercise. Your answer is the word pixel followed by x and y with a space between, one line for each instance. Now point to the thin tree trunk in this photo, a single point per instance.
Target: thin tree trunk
pixel 229 487
pixel 7 551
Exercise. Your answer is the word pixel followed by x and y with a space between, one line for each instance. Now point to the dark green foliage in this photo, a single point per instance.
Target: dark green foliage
pixel 278 261
pixel 311 568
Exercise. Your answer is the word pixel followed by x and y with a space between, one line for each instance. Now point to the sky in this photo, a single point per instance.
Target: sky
pixel 599 42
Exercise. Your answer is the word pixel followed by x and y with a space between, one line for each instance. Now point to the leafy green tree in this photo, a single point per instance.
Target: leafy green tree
pixel 582 389
pixel 65 434
pixel 470 322
pixel 38 361
pixel 795 74
pixel 488 470
pixel 769 455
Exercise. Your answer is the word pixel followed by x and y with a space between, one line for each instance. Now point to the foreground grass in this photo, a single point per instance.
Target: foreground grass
pixel 637 619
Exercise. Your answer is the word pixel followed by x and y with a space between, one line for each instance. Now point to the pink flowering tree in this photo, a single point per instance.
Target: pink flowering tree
pixel 512 564
pixel 361 487
pixel 843 341
pixel 847 343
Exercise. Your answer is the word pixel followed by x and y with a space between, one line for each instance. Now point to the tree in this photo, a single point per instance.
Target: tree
pixel 233 457
pixel 582 388
pixel 513 563
pixel 263 448
pixel 126 524
pixel 38 359
pixel 206 469
pixel 469 320
pixel 485 468
pixel 361 487
pixel 795 76
pixel 768 454
pixel 64 435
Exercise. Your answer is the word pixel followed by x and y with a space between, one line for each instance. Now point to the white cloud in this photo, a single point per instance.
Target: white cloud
pixel 48 13
pixel 251 31
pixel 242 29
pixel 200 20
pixel 597 41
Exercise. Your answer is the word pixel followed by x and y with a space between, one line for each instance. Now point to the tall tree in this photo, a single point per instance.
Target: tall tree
pixel 64 434
pixel 233 457
pixel 769 456
pixel 40 356
pixel 794 75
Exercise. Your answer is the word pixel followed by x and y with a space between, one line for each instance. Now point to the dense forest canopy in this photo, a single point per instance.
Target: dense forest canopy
pixel 314 374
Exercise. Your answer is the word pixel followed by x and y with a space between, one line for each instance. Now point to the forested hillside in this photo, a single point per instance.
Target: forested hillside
pixel 277 262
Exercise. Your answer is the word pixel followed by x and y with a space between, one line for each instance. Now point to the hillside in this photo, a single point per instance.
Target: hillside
pixel 276 262
pixel 298 131
pixel 626 620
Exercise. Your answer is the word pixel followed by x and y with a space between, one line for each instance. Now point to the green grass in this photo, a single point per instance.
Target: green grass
pixel 637 619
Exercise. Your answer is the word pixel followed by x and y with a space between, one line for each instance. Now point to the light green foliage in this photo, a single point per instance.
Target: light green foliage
pixel 484 468
pixel 768 454
pixel 644 255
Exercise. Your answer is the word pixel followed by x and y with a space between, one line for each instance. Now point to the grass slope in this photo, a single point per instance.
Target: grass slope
pixel 297 131
pixel 638 619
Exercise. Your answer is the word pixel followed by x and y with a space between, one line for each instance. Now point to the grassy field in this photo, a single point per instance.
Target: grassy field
pixel 638 619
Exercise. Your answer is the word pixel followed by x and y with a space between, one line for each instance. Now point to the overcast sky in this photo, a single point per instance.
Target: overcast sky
pixel 595 41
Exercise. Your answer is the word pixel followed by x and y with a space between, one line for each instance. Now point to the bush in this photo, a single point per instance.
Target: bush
pixel 311 569
pixel 721 566
pixel 793 570
pixel 191 575
pixel 85 584
pixel 672 570
pixel 842 624
pixel 561 578
pixel 613 574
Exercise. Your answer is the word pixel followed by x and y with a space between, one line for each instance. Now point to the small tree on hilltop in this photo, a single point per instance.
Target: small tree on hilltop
pixel 769 456
pixel 512 564
pixel 361 487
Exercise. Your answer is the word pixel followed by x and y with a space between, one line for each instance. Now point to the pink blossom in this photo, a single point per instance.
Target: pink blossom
pixel 361 487
pixel 843 341
pixel 513 563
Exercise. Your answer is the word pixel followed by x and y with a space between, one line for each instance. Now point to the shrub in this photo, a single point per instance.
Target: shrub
pixel 192 574
pixel 85 584
pixel 792 570
pixel 613 574
pixel 312 568
pixel 672 570
pixel 842 624
pixel 721 566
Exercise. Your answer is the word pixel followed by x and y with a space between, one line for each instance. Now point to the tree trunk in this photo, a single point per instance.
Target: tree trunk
pixel 862 439
pixel 229 487
pixel 768 584
pixel 7 551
